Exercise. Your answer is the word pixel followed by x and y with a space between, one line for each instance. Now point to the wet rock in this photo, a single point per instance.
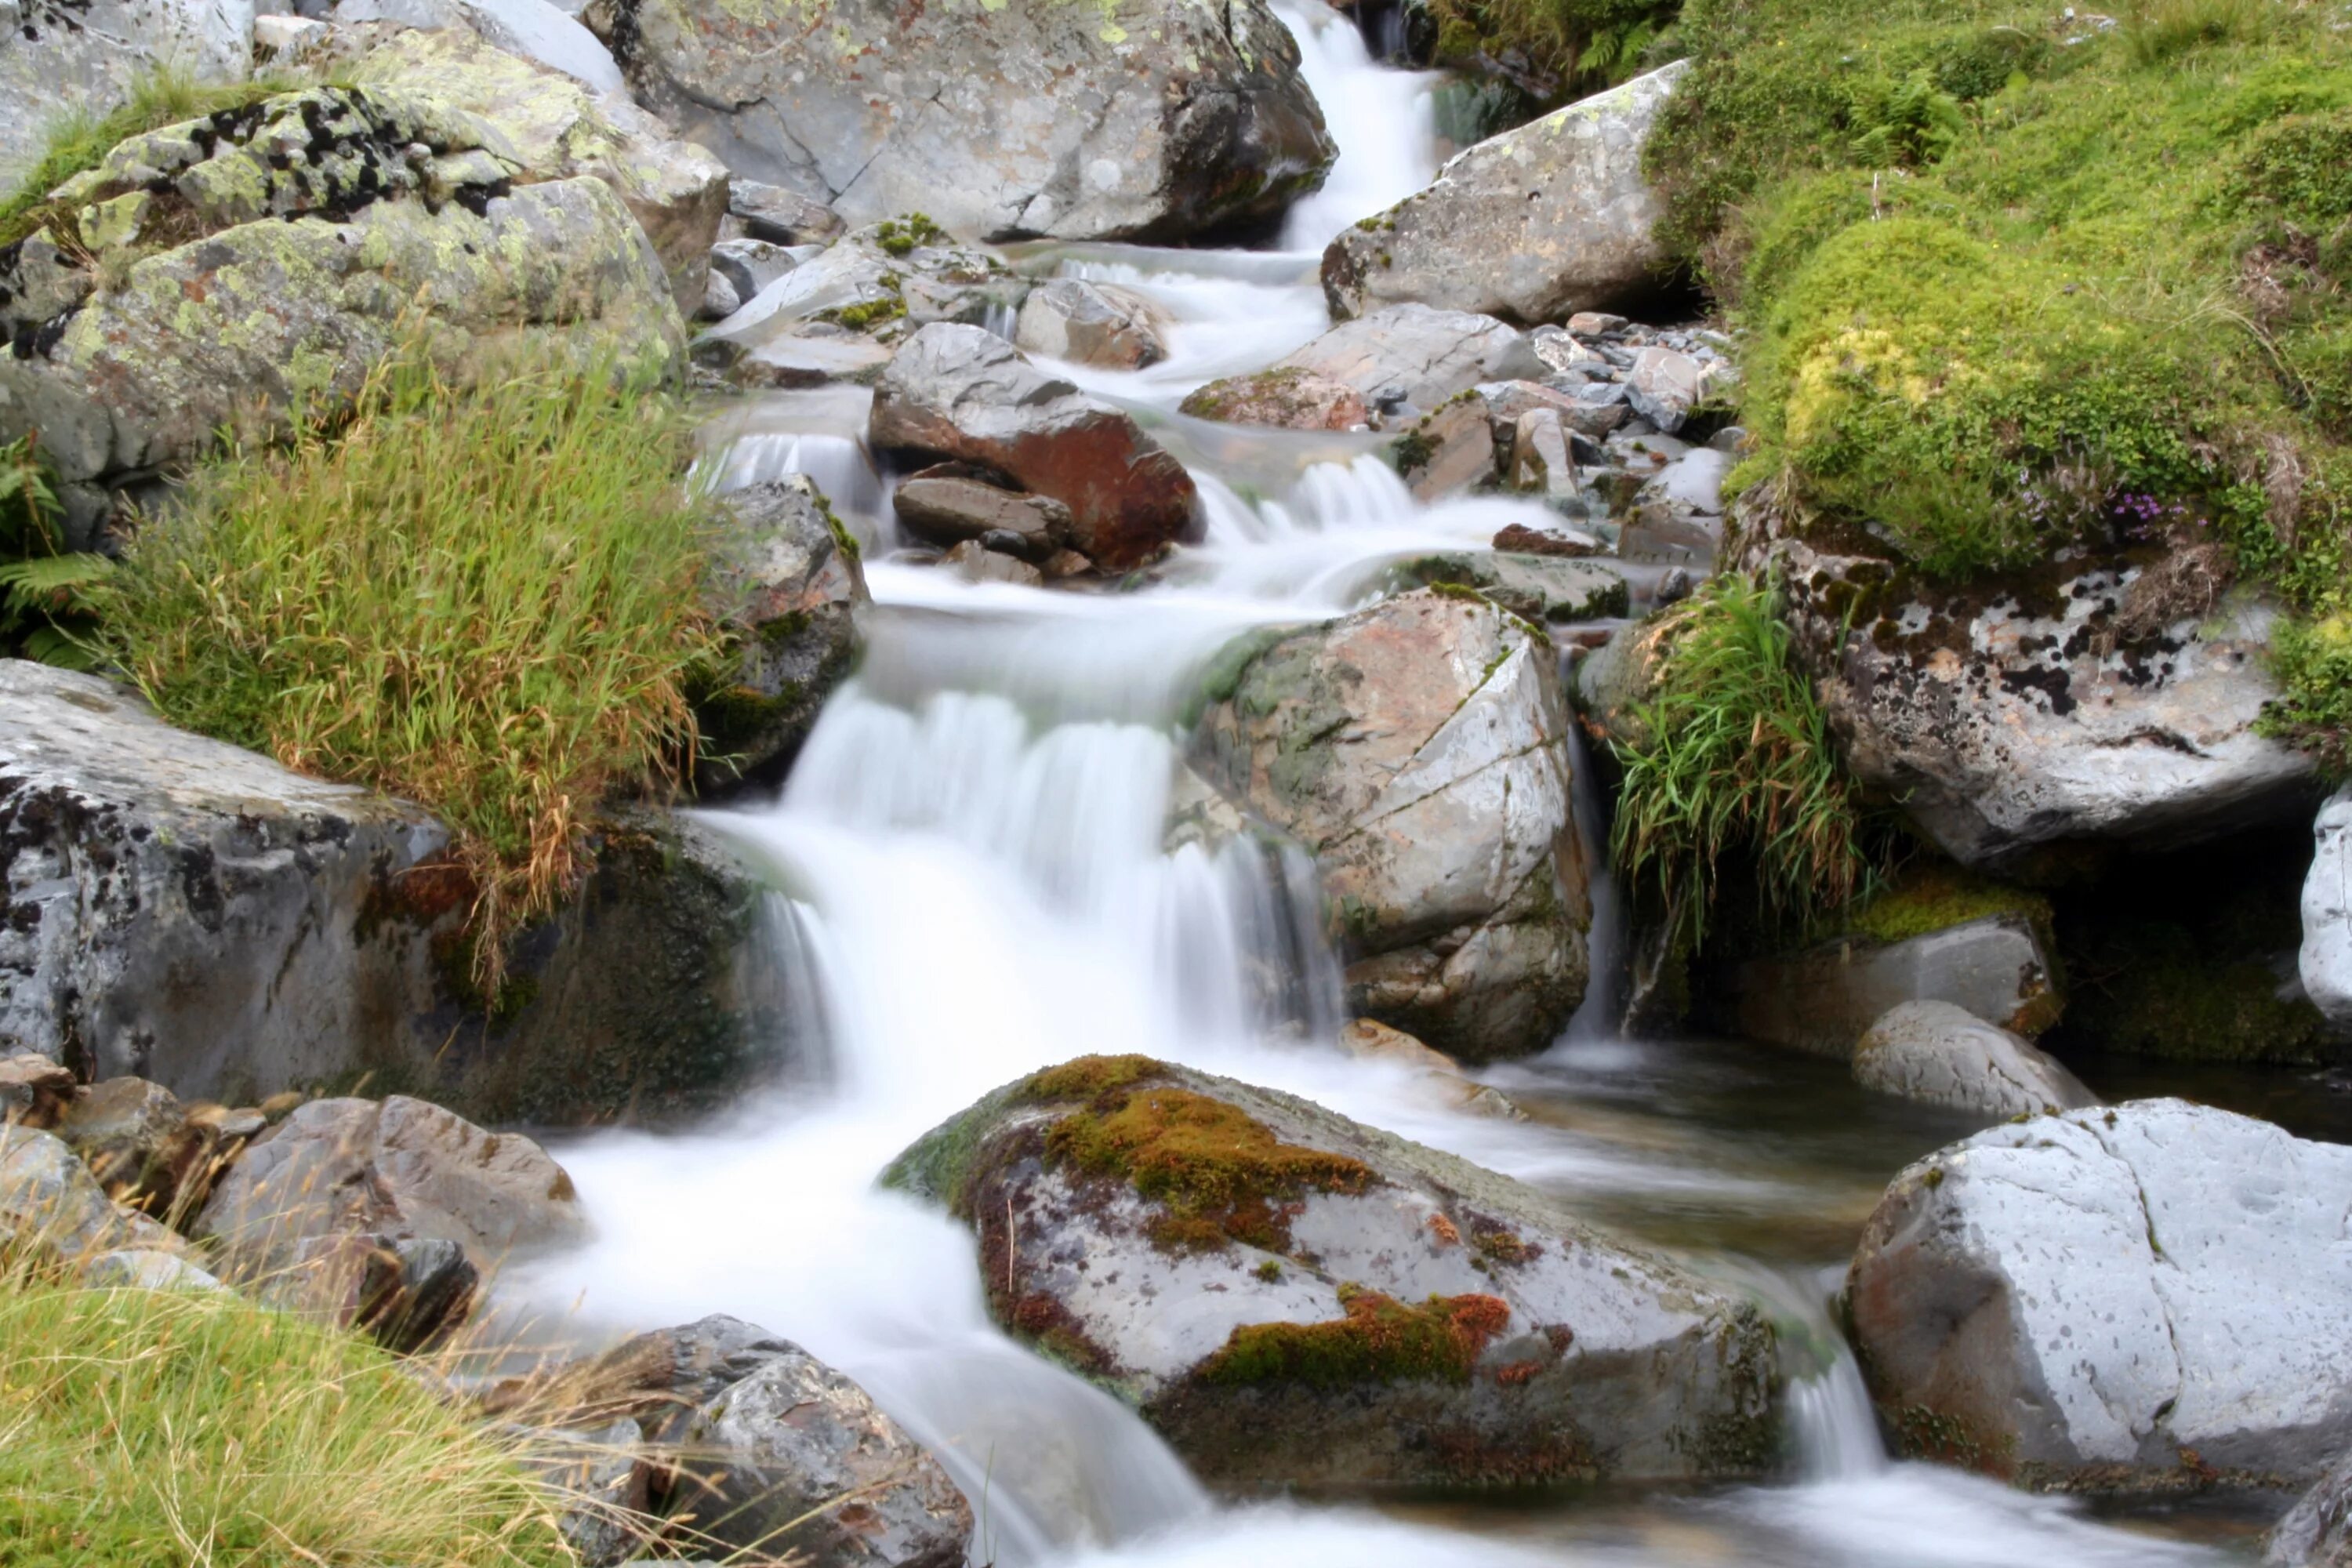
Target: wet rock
pixel 866 292
pixel 1547 589
pixel 946 507
pixel 786 1444
pixel 295 281
pixel 58 56
pixel 2015 714
pixel 1092 324
pixel 1290 399
pixel 785 583
pixel 2141 1298
pixel 1418 748
pixel 1943 1055
pixel 1323 1304
pixel 1369 1041
pixel 2318 1531
pixel 1000 124
pixel 2324 961
pixel 1405 355
pixel 780 217
pixel 1552 217
pixel 1448 451
pixel 974 562
pixel 1518 539
pixel 602 1480
pixel 960 392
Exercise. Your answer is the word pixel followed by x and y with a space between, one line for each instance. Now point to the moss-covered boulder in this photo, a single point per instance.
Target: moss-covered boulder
pixel 257 265
pixel 1419 750
pixel 1130 118
pixel 62 58
pixel 1293 1298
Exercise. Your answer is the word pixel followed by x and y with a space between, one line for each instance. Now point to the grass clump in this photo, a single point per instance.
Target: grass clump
pixel 146 1428
pixel 1380 1339
pixel 481 598
pixel 1734 766
pixel 1553 50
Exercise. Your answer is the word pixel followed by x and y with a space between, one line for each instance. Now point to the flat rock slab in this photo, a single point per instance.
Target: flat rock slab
pixel 1823 998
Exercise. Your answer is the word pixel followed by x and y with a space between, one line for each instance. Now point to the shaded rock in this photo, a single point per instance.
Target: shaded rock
pixel 788 1443
pixel 1943 1055
pixel 34 1090
pixel 2324 961
pixel 1518 539
pixel 48 1199
pixel 1543 588
pixel 1418 750
pixel 2013 714
pixel 1092 324
pixel 1552 217
pixel 785 583
pixel 1447 451
pixel 1330 1305
pixel 780 217
pixel 143 1146
pixel 2140 1299
pixel 603 1481
pixel 946 508
pixel 2318 1531
pixel 1290 399
pixel 1000 124
pixel 747 266
pixel 961 392
pixel 60 58
pixel 1406 354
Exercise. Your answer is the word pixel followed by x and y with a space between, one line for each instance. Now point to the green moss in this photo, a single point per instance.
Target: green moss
pixel 1084 1078
pixel 2176 1001
pixel 1380 1339
pixel 900 236
pixel 1411 452
pixel 1935 896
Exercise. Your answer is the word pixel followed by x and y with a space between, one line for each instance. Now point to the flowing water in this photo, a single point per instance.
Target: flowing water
pixel 970 884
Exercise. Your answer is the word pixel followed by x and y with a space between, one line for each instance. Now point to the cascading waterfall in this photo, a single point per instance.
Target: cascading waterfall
pixel 974 880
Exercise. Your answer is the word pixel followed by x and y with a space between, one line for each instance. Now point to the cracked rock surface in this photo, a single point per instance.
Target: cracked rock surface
pixel 2118 1301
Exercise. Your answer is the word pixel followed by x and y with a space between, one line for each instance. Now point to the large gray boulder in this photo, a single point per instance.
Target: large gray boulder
pixel 2140 1299
pixel 2019 713
pixel 964 393
pixel 1294 1298
pixel 1942 1055
pixel 785 583
pixel 65 57
pixel 1150 123
pixel 259 289
pixel 2326 958
pixel 1419 750
pixel 1406 355
pixel 193 913
pixel 1531 226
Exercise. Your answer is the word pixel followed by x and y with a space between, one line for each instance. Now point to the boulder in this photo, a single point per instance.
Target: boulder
pixel 1418 748
pixel 80 57
pixel 781 217
pixel 227 289
pixel 1447 451
pixel 1293 1298
pixel 1549 218
pixel 1553 589
pixel 1664 385
pixel 1003 122
pixel 2318 1531
pixel 1098 324
pixel 2140 1299
pixel 785 585
pixel 2324 961
pixel 49 1199
pixel 2029 711
pixel 1943 1055
pixel 785 1443
pixel 964 393
pixel 946 507
pixel 557 129
pixel 1290 399
pixel 745 266
pixel 1405 355
pixel 194 914
pixel 35 1091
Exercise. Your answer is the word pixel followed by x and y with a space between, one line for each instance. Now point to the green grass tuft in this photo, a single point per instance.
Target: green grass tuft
pixel 483 599
pixel 1735 761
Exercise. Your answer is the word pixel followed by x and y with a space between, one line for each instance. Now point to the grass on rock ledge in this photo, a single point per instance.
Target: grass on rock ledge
pixel 480 599
pixel 159 1429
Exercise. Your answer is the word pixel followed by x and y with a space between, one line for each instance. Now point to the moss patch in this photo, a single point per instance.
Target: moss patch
pixel 1380 1339
pixel 1935 896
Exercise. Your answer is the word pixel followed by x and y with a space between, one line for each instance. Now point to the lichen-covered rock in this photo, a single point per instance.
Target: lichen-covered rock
pixel 1942 1055
pixel 1418 748
pixel 1532 225
pixel 558 129
pixel 81 56
pixel 2147 1298
pixel 785 583
pixel 193 913
pixel 1146 119
pixel 1290 399
pixel 1406 356
pixel 284 249
pixel 962 393
pixel 2318 1531
pixel 1294 1298
pixel 2065 705
pixel 1092 324
pixel 1543 588
pixel 2324 960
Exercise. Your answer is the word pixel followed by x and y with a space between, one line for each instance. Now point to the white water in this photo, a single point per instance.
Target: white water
pixel 974 886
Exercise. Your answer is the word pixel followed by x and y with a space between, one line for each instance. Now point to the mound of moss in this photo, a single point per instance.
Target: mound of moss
pixel 2012 278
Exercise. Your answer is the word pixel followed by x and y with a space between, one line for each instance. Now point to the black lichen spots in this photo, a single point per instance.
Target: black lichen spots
pixel 2053 684
pixel 477 199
